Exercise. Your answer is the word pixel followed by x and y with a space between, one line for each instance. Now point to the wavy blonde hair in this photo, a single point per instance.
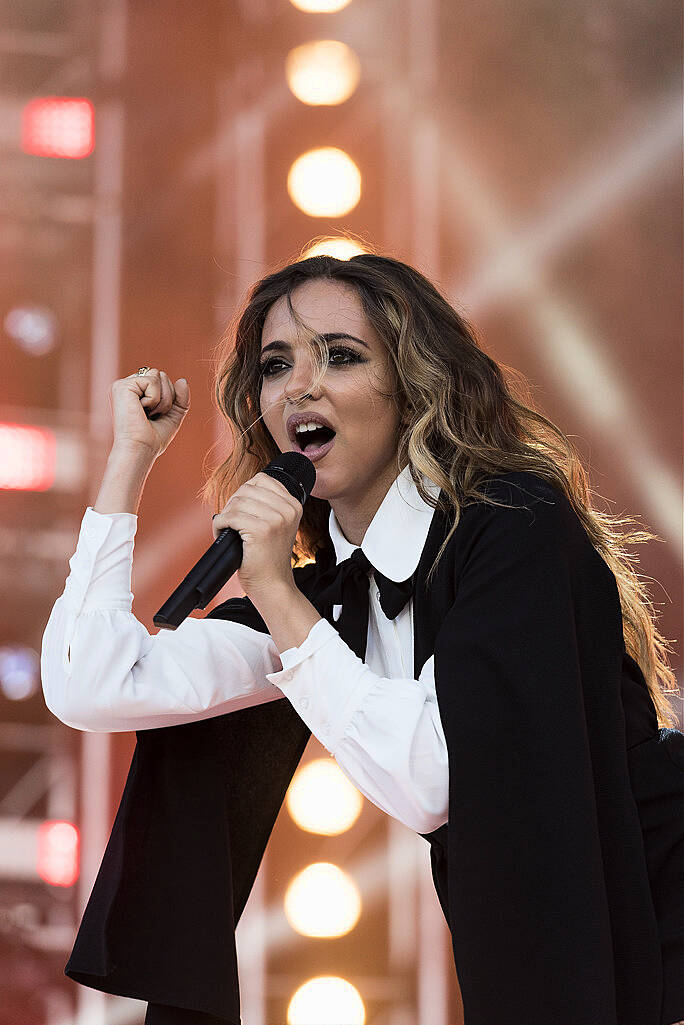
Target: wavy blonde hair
pixel 460 422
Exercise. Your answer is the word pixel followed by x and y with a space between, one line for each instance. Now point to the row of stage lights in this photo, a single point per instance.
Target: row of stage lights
pixel 322 900
pixel 324 181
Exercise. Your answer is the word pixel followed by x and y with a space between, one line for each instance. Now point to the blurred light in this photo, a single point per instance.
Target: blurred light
pixel 326 1000
pixel 33 327
pixel 28 458
pixel 322 900
pixel 58 126
pixel 340 248
pixel 320 798
pixel 324 182
pixel 319 6
pixel 58 853
pixel 322 72
pixel 19 672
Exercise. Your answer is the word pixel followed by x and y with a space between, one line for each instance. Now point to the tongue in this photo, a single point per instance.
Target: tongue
pixel 313 444
pixel 317 438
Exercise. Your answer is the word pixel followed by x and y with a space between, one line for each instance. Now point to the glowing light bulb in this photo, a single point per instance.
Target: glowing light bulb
pixel 322 900
pixel 326 1000
pixel 324 182
pixel 320 798
pixel 340 248
pixel 325 71
pixel 319 6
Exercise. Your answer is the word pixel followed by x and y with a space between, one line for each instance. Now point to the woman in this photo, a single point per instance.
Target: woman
pixel 537 755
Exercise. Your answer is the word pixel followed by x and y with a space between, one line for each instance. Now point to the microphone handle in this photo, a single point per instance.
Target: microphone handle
pixel 204 581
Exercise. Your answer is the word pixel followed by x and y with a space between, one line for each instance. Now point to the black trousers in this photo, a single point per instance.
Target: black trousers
pixel 164 1014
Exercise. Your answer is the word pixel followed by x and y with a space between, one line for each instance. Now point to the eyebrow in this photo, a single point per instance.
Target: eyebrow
pixel 332 336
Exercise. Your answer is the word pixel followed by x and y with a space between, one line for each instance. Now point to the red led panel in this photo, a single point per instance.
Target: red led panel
pixel 29 457
pixel 58 126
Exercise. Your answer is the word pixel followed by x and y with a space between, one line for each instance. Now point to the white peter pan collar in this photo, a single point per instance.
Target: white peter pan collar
pixel 396 535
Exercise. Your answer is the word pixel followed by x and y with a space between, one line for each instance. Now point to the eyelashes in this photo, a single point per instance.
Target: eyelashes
pixel 352 357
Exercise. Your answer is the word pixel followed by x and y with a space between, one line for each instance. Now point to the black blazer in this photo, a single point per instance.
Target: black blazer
pixel 561 869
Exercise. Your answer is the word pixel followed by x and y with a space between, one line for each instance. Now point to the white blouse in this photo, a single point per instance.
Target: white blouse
pixel 103 672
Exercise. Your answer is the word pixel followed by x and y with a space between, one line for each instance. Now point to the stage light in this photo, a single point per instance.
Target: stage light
pixel 322 900
pixel 58 853
pixel 34 328
pixel 324 72
pixel 28 457
pixel 326 1000
pixel 324 182
pixel 19 672
pixel 340 248
pixel 319 6
pixel 58 126
pixel 320 798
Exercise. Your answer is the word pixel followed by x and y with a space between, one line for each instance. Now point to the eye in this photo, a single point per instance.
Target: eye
pixel 267 367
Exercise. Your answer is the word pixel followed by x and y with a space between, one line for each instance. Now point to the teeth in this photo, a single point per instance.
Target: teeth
pixel 310 426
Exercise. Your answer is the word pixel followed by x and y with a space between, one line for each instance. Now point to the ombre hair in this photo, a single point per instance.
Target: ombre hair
pixel 460 422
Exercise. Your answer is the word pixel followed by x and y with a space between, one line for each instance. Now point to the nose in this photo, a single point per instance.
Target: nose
pixel 299 380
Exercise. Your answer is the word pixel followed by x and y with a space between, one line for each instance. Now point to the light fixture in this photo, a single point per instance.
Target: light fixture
pixel 321 799
pixel 323 72
pixel 324 182
pixel 322 900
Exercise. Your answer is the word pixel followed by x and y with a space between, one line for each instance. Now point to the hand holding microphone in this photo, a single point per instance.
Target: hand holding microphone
pixel 266 516
pixel 258 540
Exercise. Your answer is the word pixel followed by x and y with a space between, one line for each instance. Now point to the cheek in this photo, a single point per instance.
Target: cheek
pixel 271 421
pixel 267 405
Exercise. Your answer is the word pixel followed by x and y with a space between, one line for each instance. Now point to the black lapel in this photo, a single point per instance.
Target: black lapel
pixel 429 607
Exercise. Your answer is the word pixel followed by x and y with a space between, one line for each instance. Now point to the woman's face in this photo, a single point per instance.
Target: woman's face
pixel 361 464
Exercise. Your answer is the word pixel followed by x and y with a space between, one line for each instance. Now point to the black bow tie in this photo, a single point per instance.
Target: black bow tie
pixel 346 584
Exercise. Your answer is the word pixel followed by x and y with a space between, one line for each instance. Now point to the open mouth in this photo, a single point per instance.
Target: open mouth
pixel 315 444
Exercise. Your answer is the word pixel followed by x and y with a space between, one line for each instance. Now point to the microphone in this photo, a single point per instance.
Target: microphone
pixel 297 473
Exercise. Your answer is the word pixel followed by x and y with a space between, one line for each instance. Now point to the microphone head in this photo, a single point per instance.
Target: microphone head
pixel 297 466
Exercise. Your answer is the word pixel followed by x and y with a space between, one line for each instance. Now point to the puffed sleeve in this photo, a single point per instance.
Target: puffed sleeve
pixel 385 733
pixel 102 671
pixel 546 866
